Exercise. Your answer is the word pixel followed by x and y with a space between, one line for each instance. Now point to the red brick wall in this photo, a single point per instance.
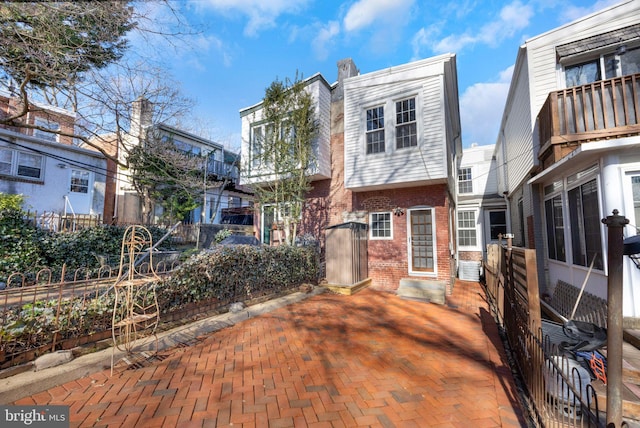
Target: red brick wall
pixel 474 256
pixel 388 259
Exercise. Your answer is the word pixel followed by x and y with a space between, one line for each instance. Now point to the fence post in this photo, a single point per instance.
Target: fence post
pixel 615 247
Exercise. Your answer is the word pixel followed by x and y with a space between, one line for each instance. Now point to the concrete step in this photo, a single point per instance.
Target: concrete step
pixel 429 290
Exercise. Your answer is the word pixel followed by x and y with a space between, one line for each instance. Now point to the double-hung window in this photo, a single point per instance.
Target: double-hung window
pixel 380 225
pixel 375 130
pixel 467 235
pixel 79 181
pixel 21 164
pixel 465 183
pixel 406 125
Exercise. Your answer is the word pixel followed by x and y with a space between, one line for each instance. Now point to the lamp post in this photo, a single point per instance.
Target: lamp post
pixel 615 225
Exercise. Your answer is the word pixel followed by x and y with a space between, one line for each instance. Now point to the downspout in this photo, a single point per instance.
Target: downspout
pixel 505 175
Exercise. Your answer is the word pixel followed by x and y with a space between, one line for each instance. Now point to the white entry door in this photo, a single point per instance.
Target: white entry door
pixel 80 192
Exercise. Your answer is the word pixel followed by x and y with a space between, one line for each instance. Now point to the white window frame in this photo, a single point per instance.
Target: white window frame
pixel 409 122
pixel 372 225
pixel 76 183
pixel 474 228
pixel 49 124
pixel 434 247
pixel 381 130
pixel 15 164
pixel 467 182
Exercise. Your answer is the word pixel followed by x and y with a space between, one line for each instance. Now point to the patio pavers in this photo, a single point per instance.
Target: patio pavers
pixel 371 359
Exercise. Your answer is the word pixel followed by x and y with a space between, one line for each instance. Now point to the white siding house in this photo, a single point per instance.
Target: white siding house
pixel 481 212
pixel 389 160
pixel 54 178
pixel 384 164
pixel 253 128
pixel 569 146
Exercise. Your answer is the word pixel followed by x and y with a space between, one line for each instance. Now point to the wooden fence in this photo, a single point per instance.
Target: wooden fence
pixel 62 223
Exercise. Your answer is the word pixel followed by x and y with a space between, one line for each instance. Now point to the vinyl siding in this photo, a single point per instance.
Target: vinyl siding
pixel 517 132
pixel 397 167
pixel 483 171
pixel 321 93
pixel 545 75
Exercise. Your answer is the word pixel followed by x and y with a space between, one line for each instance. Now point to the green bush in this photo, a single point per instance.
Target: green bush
pixel 26 249
pixel 85 247
pixel 21 248
pixel 237 273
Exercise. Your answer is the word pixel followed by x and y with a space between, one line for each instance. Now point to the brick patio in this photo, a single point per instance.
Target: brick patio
pixel 371 359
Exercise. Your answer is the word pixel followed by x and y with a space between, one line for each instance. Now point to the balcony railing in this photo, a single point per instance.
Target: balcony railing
pixel 598 110
pixel 222 170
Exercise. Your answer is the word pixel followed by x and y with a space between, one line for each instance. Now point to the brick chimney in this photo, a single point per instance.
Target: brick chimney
pixel 141 117
pixel 346 68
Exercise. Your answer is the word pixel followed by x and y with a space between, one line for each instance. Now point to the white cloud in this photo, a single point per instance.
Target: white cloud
pixel 324 38
pixel 261 14
pixel 511 18
pixel 571 13
pixel 481 107
pixel 364 13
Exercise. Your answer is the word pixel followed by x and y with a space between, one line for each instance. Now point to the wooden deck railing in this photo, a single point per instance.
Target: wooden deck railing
pixel 603 109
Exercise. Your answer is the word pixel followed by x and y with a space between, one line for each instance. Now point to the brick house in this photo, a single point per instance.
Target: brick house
pixel 387 152
pixel 568 149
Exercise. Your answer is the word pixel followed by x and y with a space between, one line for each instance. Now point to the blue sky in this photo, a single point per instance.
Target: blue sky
pixel 246 44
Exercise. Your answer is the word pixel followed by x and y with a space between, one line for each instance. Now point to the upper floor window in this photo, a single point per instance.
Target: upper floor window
pixel 620 63
pixel 406 127
pixel 186 148
pixel 257 138
pixel 465 184
pixel 47 124
pixel 375 130
pixel 20 164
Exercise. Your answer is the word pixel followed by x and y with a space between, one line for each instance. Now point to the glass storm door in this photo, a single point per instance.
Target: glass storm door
pixel 421 255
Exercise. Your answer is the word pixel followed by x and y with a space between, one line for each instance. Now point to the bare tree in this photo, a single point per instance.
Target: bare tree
pixel 71 55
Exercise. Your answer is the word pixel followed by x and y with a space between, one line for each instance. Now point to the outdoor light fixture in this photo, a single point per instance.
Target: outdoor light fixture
pixel 621 50
pixel 398 211
pixel 631 248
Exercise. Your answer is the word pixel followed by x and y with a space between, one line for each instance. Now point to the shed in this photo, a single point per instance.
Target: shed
pixel 346 254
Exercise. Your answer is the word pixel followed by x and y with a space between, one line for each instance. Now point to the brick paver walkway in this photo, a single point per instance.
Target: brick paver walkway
pixel 372 359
